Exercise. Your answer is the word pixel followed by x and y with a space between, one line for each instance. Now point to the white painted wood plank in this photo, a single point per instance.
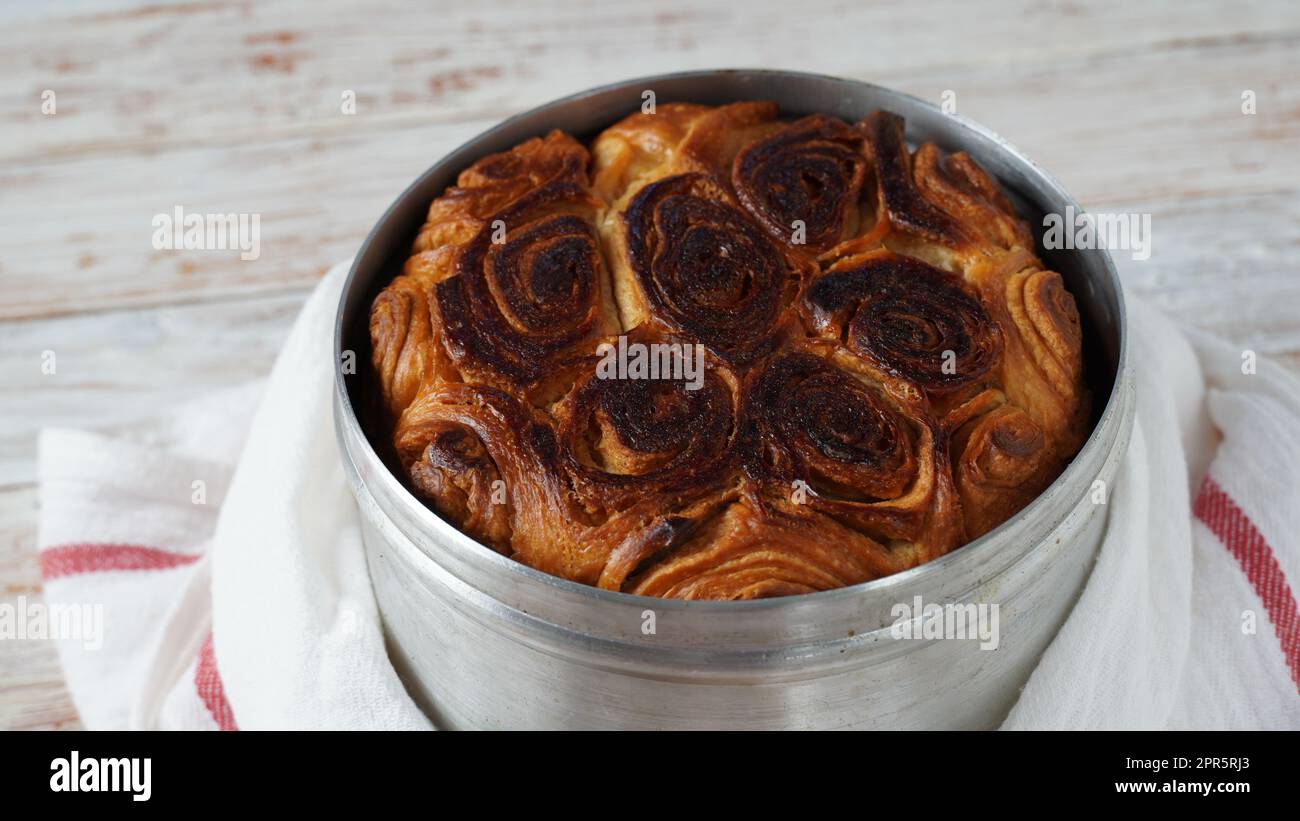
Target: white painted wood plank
pixel 1147 126
pixel 78 234
pixel 128 370
pixel 233 71
pixel 1228 265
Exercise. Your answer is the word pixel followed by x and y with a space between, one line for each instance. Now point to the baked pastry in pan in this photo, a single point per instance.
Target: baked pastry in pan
pixel 888 371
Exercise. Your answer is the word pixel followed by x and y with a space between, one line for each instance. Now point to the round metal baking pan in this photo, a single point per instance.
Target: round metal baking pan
pixel 483 641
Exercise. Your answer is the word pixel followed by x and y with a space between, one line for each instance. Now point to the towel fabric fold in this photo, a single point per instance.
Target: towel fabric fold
pixel 226 554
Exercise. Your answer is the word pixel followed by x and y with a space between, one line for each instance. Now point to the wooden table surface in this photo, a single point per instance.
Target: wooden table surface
pixel 226 107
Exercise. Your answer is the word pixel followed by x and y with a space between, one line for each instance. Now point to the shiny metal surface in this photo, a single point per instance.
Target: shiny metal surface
pixel 482 641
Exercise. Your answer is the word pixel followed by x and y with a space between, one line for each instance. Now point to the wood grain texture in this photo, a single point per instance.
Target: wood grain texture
pixel 235 107
pixel 201 73
pixel 32 693
pixel 1229 265
pixel 122 371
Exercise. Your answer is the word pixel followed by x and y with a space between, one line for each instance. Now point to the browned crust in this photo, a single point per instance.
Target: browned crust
pixel 890 370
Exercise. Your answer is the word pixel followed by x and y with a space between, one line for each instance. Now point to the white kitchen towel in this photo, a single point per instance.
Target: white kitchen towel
pixel 225 555
pixel 1188 620
pixel 235 593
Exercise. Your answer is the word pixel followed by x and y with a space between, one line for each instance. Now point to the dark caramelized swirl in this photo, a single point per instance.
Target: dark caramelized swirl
pixel 912 319
pixel 507 284
pixel 863 453
pixel 805 419
pixel 706 270
pixel 519 308
pixel 907 208
pixel 959 187
pixel 903 379
pixel 625 438
pixel 811 171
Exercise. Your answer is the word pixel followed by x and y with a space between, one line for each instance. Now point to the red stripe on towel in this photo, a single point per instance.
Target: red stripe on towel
pixel 96 557
pixel 1238 533
pixel 211 692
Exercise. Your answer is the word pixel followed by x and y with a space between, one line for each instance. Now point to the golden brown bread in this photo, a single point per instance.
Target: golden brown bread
pixel 889 370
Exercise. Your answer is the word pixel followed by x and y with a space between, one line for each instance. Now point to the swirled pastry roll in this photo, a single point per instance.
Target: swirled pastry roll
pixel 718 354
